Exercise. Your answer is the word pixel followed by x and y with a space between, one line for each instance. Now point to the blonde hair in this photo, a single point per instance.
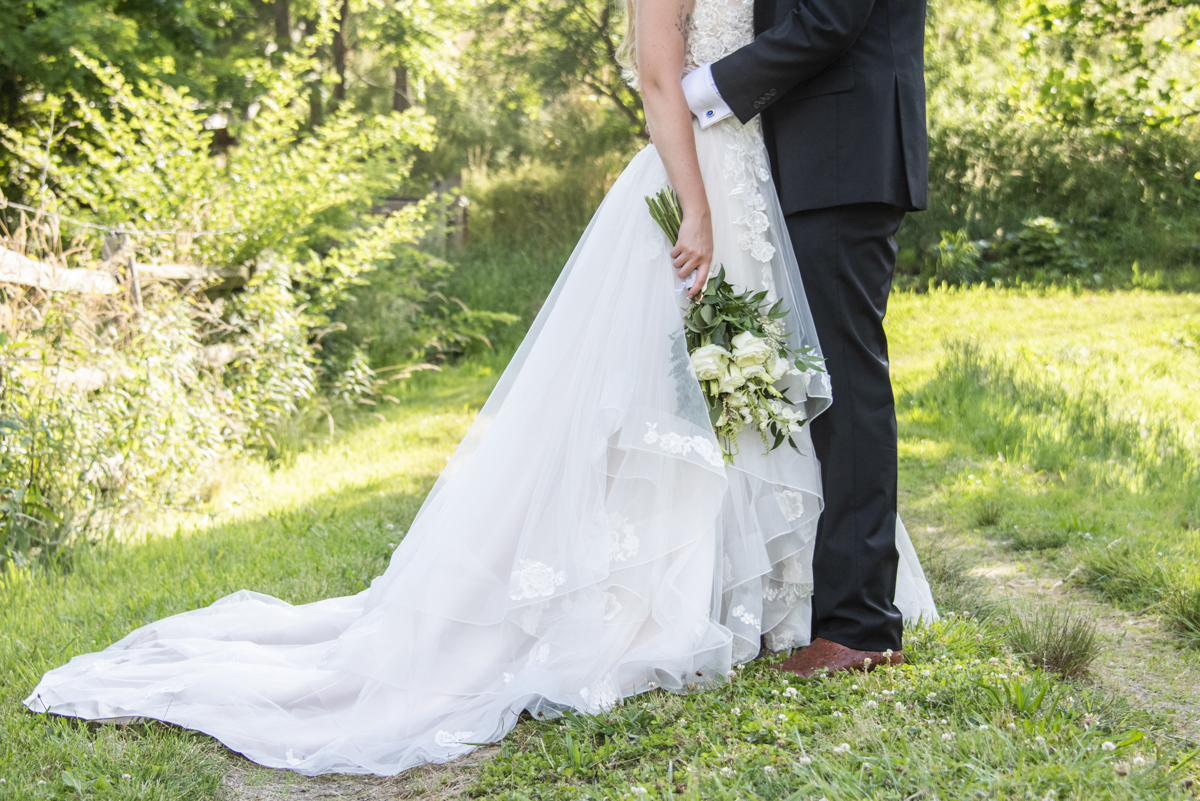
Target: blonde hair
pixel 627 52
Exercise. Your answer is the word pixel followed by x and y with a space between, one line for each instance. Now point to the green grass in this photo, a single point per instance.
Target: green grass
pixel 1098 445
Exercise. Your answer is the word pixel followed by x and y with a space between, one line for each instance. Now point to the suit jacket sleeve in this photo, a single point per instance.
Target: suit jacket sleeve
pixel 811 37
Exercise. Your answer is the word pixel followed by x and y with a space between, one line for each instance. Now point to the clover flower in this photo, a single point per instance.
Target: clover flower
pixel 870 704
pixel 926 672
pixel 899 707
pixel 844 748
pixel 126 776
pixel 638 790
pixel 768 769
pixel 1108 745
pixel 983 727
pixel 804 760
pixel 783 717
pixel 853 686
pixel 931 696
pixel 1040 740
pixel 791 692
pixel 737 710
pixel 948 736
pixel 994 661
pixel 1139 761
pixel 726 771
pixel 837 714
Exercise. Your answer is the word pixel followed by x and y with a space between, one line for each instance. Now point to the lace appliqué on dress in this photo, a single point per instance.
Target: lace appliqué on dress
pixel 534 580
pixel 623 543
pixel 719 27
pixel 678 444
pixel 746 165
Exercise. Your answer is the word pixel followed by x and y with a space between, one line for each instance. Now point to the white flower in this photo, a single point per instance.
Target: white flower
pixel 708 362
pixel 737 710
pixel 844 748
pixel 776 368
pixel 926 672
pixel 768 769
pixel 1108 745
pixel 983 727
pixel 994 660
pixel 731 379
pixel 752 371
pixel 948 736
pixel 1040 740
pixel 804 760
pixel 749 349
pixel 870 704
pixel 837 714
pixel 638 790
pixel 791 692
pixel 737 400
pixel 931 696
pixel 726 771
pixel 123 776
pixel 899 707
pixel 1138 761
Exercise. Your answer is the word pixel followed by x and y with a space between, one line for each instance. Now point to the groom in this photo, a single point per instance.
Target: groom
pixel 840 86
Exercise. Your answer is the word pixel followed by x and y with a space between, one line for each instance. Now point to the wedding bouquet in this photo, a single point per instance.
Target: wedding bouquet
pixel 739 352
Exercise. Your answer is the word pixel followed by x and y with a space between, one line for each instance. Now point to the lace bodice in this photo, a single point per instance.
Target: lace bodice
pixel 718 28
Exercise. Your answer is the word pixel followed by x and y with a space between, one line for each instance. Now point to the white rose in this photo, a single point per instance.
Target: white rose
pixel 731 379
pixel 776 368
pixel 708 362
pixel 750 371
pixel 737 400
pixel 749 349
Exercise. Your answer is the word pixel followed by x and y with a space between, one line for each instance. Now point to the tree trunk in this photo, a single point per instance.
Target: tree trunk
pixel 402 96
pixel 339 52
pixel 283 24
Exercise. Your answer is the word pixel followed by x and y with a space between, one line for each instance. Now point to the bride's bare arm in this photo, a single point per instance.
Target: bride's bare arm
pixel 662 27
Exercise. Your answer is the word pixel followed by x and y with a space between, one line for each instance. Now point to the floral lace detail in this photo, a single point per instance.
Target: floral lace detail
pixel 777 640
pixel 601 695
pixel 534 580
pixel 746 164
pixel 787 593
pixel 531 616
pixel 718 28
pixel 743 615
pixel 623 543
pixel 447 740
pixel 791 502
pixel 675 443
pixel 611 605
pixel 539 655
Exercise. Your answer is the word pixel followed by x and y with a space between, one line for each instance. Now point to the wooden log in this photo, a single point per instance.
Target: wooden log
pixel 16 268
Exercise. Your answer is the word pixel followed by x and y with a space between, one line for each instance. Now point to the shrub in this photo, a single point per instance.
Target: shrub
pixel 1040 248
pixel 956 261
pixel 110 404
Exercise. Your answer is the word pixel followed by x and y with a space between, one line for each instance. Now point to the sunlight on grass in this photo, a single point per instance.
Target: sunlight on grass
pixel 1061 426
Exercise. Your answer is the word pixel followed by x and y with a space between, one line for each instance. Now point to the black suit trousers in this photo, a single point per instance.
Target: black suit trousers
pixel 847 257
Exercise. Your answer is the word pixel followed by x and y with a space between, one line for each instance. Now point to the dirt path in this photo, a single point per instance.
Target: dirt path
pixel 1139 659
pixel 249 782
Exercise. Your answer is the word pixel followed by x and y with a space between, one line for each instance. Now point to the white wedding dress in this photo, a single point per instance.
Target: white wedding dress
pixel 585 543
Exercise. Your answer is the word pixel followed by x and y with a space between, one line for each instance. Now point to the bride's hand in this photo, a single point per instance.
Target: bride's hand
pixel 693 250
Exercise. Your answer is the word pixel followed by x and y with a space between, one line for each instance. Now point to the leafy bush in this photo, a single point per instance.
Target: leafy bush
pixel 1040 248
pixel 111 403
pixel 956 261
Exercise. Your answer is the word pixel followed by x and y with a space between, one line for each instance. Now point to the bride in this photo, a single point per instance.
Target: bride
pixel 585 543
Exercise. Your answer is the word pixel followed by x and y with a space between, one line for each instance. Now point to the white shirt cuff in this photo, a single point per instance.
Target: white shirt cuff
pixel 703 98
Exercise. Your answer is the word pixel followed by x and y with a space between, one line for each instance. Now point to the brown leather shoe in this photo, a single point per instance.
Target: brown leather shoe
pixel 808 662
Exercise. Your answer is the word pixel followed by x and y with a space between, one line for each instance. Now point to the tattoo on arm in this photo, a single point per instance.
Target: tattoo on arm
pixel 683 22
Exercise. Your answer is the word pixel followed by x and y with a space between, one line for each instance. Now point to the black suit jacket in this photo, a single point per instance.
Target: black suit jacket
pixel 840 85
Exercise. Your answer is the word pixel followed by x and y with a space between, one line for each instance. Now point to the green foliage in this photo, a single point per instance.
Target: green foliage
pixel 956 261
pixel 193 372
pixel 1056 641
pixel 1040 248
pixel 962 718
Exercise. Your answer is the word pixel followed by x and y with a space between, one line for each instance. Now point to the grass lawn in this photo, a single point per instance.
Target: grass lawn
pixel 1053 424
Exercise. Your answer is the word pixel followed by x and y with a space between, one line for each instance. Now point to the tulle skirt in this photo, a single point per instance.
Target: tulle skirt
pixel 585 543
